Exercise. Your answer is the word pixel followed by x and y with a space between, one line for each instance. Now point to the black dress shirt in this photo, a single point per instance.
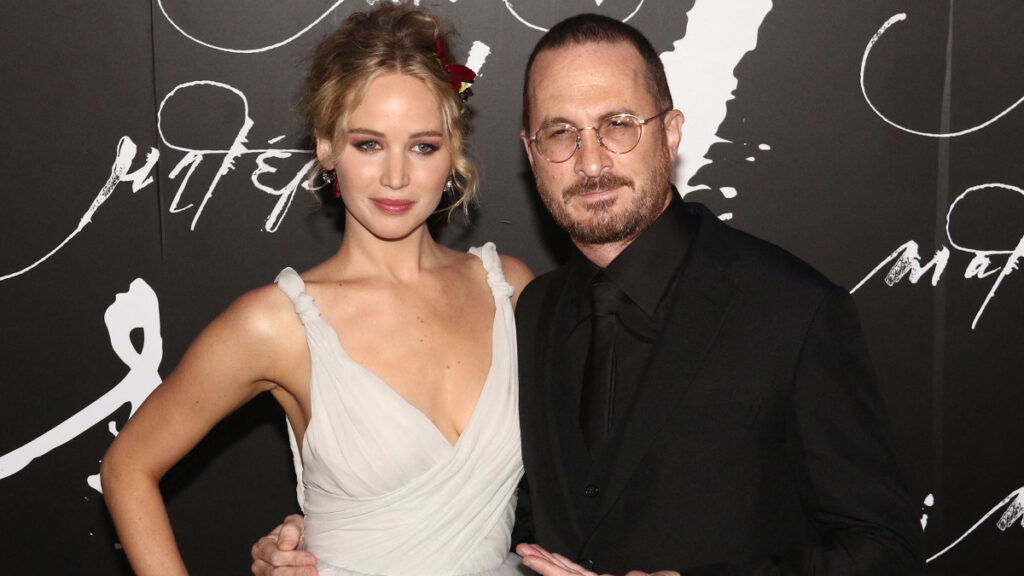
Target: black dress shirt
pixel 645 272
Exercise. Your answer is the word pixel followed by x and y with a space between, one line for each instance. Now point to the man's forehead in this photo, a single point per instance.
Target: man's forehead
pixel 570 54
pixel 586 82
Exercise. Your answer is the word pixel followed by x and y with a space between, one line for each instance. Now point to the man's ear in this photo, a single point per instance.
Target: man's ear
pixel 673 122
pixel 325 152
pixel 526 146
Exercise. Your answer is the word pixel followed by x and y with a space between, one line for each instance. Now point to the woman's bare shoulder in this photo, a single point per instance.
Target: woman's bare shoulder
pixel 263 314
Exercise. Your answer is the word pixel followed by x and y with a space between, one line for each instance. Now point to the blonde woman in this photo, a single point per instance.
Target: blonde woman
pixel 394 359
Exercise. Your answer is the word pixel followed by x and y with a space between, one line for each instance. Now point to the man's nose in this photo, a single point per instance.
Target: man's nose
pixel 592 158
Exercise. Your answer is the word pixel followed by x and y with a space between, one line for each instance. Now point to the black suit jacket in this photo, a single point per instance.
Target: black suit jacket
pixel 756 443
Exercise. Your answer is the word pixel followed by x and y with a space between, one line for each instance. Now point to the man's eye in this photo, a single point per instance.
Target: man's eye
pixel 619 123
pixel 561 133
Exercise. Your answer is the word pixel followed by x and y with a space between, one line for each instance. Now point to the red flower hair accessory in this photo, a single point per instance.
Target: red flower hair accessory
pixel 459 76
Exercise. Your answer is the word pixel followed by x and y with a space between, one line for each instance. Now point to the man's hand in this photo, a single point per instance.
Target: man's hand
pixel 551 564
pixel 277 553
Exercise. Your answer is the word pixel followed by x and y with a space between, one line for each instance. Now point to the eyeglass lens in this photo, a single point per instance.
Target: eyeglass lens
pixel 619 134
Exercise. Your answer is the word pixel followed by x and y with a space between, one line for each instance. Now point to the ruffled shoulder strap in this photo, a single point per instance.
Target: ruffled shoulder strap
pixel 290 283
pixel 488 254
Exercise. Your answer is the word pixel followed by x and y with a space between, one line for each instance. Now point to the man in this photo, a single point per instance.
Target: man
pixel 693 399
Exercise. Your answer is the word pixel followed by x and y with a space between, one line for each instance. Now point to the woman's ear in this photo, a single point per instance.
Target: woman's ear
pixel 325 152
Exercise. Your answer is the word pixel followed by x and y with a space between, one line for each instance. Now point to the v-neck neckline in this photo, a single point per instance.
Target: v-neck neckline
pixel 402 400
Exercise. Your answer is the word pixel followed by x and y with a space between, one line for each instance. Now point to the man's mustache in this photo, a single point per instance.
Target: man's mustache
pixel 602 182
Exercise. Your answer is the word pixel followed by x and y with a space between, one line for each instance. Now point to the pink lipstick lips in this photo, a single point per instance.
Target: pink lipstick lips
pixel 394 207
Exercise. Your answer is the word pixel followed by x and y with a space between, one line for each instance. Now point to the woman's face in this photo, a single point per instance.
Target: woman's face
pixel 392 162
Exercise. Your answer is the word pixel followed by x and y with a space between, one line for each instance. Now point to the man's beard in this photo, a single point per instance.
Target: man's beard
pixel 605 226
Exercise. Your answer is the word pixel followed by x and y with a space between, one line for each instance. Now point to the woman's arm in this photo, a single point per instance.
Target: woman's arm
pixel 235 358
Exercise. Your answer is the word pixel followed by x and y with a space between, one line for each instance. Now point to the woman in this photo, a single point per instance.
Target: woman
pixel 394 360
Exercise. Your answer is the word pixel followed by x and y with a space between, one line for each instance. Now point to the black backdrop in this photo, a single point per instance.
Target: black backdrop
pixel 871 138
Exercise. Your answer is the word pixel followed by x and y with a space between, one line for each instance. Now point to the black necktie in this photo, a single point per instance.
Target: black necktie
pixel 597 394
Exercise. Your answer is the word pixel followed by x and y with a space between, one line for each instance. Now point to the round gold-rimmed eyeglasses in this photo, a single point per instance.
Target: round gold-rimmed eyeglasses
pixel 619 134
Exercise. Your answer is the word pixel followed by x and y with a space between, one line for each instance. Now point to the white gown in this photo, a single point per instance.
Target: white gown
pixel 383 491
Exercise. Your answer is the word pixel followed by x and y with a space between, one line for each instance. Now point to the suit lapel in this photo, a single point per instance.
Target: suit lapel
pixel 700 301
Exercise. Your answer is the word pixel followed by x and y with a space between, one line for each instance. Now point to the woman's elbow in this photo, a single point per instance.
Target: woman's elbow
pixel 111 469
pixel 118 471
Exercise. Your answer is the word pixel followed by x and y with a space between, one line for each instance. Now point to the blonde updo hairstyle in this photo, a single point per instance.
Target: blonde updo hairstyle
pixel 390 39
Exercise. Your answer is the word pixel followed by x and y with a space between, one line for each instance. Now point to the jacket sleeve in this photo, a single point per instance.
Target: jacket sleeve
pixel 839 444
pixel 522 531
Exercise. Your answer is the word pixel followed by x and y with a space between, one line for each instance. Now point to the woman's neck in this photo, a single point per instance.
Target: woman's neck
pixel 363 254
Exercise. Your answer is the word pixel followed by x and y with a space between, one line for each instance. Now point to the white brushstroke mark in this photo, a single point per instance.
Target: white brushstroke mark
pixel 1014 503
pixel 929 501
pixel 528 24
pixel 275 140
pixel 181 31
pixel 478 54
pixel 136 308
pixel 907 259
pixel 236 149
pixel 194 157
pixel 286 193
pixel 700 70
pixel 728 191
pixel 763 147
pixel 141 178
pixel 751 159
pixel 863 66
pixel 725 216
pixel 981 259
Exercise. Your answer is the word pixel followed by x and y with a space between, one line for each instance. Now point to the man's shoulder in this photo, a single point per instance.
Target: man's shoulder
pixel 751 260
pixel 540 290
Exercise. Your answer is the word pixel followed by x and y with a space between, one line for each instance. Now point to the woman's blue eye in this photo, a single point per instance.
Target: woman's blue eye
pixel 424 148
pixel 367 146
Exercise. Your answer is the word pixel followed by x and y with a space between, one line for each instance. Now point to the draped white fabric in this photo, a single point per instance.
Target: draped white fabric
pixel 384 490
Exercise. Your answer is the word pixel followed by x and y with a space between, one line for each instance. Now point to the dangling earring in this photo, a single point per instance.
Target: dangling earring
pixel 330 177
pixel 449 185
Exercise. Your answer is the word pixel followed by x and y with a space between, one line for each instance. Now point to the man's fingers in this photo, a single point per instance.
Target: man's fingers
pixel 262 550
pixel 264 569
pixel 572 565
pixel 553 558
pixel 535 550
pixel 289 534
pixel 549 563
pixel 289 537
pixel 269 560
pixel 524 549
pixel 545 567
pixel 297 558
